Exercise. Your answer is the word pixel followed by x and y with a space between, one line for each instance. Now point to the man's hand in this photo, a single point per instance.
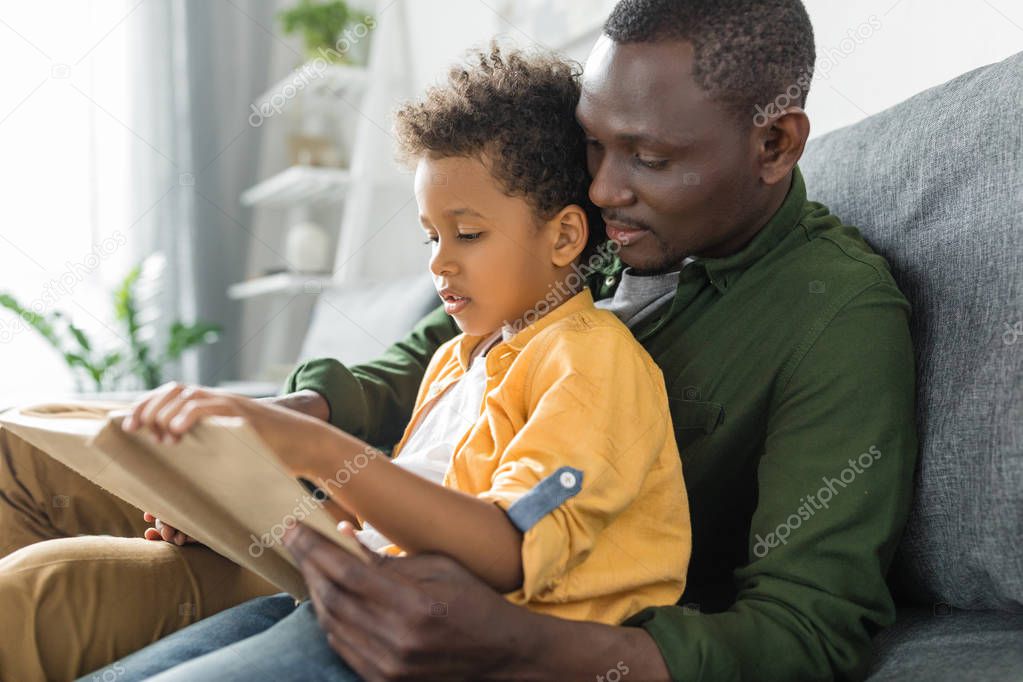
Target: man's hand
pixel 426 617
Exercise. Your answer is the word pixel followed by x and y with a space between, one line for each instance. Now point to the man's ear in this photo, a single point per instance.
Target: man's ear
pixel 780 144
pixel 570 230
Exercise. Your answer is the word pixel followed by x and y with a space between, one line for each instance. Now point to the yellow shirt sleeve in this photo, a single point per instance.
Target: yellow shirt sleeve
pixel 595 402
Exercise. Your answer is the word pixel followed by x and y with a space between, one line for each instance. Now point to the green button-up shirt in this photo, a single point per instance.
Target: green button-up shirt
pixel 790 377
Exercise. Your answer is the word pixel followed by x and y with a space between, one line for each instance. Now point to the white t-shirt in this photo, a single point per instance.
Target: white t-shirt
pixel 429 448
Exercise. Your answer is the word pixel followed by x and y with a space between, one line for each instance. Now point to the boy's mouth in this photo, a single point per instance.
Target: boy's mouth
pixel 453 303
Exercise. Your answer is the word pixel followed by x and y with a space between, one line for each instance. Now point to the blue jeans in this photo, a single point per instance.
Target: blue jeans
pixel 267 638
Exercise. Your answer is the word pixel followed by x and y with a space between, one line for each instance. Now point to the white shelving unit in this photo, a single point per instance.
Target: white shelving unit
pixel 299 184
pixel 366 95
pixel 318 83
pixel 280 283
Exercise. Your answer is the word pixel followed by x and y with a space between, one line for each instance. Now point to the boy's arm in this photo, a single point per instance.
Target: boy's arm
pixel 418 515
pixel 374 401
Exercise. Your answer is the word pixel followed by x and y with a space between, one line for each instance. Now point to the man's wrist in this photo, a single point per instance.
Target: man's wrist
pixel 306 401
pixel 548 648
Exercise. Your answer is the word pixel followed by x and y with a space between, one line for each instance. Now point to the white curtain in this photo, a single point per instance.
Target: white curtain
pixel 196 66
pixel 123 125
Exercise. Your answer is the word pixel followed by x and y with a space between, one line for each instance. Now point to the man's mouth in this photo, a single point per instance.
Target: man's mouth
pixel 626 235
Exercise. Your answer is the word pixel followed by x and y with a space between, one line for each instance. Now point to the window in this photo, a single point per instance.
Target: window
pixel 63 178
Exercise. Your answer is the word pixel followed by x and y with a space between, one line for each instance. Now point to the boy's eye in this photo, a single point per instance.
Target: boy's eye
pixel 463 236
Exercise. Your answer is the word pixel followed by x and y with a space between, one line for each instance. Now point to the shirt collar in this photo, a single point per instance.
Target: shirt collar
pixel 579 302
pixel 721 270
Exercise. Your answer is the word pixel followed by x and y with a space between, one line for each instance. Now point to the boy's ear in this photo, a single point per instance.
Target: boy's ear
pixel 571 231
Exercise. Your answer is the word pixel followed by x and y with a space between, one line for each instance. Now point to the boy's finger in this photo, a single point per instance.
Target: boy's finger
pixel 176 406
pixel 153 407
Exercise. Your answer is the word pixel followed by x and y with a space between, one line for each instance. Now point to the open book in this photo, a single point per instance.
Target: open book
pixel 220 484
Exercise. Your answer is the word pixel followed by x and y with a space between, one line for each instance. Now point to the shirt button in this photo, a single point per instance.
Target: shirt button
pixel 567 479
pixel 609 281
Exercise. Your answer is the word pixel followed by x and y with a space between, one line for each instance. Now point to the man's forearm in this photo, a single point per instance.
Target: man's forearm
pixel 557 649
pixel 307 402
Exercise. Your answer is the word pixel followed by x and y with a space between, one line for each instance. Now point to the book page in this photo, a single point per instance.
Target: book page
pixel 220 484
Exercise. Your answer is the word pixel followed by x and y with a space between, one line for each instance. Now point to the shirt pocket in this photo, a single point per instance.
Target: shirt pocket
pixel 693 419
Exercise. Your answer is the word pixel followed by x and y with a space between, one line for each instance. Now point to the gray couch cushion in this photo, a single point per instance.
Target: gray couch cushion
pixel 944 644
pixel 357 322
pixel 936 185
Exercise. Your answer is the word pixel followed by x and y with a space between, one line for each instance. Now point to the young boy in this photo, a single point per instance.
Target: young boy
pixel 540 453
pixel 560 424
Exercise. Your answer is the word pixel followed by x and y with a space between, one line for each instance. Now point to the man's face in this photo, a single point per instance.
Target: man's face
pixel 673 173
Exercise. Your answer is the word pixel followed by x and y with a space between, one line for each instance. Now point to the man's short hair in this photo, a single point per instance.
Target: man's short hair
pixel 747 53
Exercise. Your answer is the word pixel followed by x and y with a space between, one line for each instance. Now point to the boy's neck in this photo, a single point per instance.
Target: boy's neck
pixel 486 343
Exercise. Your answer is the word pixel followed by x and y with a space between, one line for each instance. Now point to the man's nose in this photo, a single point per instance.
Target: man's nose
pixel 610 188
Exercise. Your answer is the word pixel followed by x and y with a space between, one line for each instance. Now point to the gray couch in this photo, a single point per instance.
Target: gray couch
pixel 936 185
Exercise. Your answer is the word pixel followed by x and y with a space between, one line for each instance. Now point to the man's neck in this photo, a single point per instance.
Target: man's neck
pixel 738 241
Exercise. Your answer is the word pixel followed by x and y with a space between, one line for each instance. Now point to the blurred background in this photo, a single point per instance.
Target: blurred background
pixel 204 190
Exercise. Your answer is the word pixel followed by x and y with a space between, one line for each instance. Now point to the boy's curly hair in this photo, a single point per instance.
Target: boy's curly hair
pixel 517 109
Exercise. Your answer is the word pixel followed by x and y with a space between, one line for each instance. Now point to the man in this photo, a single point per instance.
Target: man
pixel 784 344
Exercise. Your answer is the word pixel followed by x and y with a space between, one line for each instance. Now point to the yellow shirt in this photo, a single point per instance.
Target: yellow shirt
pixel 576 389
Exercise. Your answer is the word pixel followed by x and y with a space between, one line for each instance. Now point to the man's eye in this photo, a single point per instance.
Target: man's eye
pixel 652 164
pixel 469 236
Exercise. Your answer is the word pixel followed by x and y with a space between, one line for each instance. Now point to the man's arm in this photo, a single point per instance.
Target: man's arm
pixel 305 401
pixel 427 617
pixel 374 401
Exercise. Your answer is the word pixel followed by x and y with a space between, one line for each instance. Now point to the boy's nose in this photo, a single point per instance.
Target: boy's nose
pixel 441 265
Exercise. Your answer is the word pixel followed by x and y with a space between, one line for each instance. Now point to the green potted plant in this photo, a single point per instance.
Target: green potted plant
pixel 325 28
pixel 107 369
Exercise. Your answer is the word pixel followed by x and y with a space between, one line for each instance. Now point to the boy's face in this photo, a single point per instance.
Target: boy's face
pixel 491 261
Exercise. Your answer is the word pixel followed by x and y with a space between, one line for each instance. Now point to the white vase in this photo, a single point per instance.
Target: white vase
pixel 307 247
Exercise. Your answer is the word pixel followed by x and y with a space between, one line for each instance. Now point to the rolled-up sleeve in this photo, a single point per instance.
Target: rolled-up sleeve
pixel 597 423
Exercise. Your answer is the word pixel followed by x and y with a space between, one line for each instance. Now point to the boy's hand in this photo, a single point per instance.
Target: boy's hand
pixel 164 410
pixel 172 410
pixel 161 531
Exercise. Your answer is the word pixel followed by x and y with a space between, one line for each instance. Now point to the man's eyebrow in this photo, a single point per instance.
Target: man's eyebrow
pixel 645 138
